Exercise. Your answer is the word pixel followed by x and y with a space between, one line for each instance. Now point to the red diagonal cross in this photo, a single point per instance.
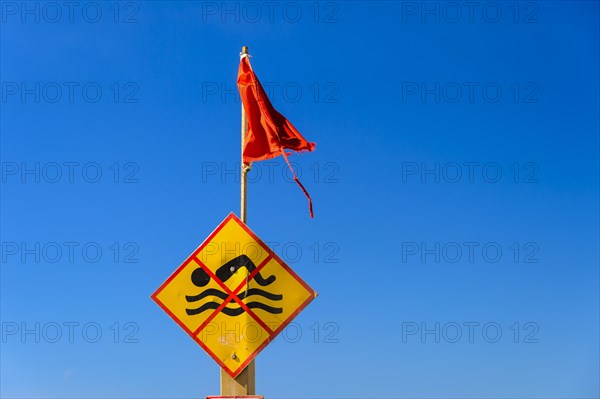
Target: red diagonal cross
pixel 233 294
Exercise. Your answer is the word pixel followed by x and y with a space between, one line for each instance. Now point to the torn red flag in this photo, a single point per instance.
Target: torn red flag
pixel 269 133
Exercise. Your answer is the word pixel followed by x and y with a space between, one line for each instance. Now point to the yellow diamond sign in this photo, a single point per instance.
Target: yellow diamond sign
pixel 233 295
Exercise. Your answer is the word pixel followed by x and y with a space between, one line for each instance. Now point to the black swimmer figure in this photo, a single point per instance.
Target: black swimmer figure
pixel 200 278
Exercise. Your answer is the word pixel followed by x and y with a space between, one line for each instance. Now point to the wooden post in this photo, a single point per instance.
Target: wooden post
pixel 244 383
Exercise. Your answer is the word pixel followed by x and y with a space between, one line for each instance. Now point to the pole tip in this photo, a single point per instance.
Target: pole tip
pixel 244 49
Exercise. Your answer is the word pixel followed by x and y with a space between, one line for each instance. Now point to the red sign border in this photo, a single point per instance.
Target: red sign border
pixel 272 334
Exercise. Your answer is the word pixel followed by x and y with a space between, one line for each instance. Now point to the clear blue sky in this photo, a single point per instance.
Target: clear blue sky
pixel 455 185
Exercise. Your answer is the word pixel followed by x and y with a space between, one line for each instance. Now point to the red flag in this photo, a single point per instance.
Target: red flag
pixel 269 133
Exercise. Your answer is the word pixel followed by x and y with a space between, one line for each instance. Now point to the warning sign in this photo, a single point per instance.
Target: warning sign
pixel 233 295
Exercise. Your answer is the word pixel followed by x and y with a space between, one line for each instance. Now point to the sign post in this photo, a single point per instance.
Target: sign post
pixel 233 295
pixel 245 383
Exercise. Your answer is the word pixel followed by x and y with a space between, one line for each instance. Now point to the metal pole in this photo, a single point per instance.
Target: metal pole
pixel 244 383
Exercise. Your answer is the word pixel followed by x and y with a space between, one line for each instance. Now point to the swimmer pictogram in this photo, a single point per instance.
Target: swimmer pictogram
pixel 200 278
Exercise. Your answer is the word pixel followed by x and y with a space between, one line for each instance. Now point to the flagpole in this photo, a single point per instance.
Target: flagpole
pixel 244 383
pixel 245 168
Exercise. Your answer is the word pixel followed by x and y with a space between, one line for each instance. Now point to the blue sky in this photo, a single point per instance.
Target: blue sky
pixel 455 186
